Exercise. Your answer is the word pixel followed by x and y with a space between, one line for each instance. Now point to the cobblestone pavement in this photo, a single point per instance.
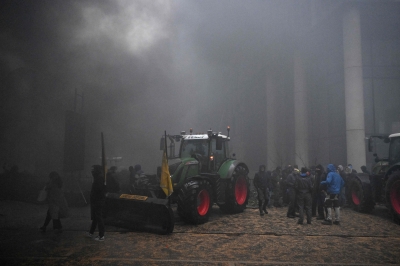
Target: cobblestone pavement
pixel 240 239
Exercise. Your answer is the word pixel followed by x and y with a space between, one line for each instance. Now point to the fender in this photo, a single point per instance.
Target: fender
pixel 364 178
pixel 227 168
pixel 366 183
pixel 393 168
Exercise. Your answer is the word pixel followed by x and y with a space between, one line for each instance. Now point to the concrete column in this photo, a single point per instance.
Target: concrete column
pixel 271 110
pixel 353 84
pixel 300 112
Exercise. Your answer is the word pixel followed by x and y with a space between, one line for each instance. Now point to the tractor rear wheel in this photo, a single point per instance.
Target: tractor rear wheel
pixel 238 191
pixel 393 195
pixel 360 195
pixel 195 201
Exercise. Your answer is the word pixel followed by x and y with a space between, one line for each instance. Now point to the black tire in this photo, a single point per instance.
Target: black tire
pixel 237 191
pixel 166 222
pixel 195 201
pixel 392 192
pixel 359 195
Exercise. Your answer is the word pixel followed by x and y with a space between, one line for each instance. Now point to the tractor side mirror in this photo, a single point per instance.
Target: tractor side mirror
pixel 219 143
pixel 162 143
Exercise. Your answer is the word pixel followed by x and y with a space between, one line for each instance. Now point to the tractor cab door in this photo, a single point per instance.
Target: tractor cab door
pixel 218 153
pixel 394 151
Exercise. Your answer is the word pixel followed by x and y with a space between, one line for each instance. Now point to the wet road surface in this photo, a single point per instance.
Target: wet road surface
pixel 239 239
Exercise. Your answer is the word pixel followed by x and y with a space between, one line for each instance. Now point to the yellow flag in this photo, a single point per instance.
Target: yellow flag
pixel 165 183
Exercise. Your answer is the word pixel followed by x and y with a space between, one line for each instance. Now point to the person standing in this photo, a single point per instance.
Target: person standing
pixel 303 186
pixel 97 202
pixel 276 179
pixel 342 196
pixel 262 184
pixel 334 184
pixel 291 193
pixel 319 192
pixel 58 207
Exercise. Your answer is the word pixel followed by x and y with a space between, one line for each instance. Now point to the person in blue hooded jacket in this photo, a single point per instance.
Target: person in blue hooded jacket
pixel 334 183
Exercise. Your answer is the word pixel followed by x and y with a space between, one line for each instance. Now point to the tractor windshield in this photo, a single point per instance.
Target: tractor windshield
pixel 193 146
pixel 394 152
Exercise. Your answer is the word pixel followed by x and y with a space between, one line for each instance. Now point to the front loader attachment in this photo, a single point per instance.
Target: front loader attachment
pixel 141 212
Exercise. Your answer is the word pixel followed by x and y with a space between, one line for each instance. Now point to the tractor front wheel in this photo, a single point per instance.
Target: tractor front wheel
pixel 393 195
pixel 195 201
pixel 360 195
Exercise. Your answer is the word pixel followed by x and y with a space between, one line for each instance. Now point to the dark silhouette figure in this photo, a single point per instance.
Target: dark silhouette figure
pixel 303 186
pixel 262 182
pixel 58 207
pixel 97 202
pixel 291 193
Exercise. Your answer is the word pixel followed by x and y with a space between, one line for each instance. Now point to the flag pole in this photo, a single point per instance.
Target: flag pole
pixel 103 159
pixel 166 155
pixel 165 143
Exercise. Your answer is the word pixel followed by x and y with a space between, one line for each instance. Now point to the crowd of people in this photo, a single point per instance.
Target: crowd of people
pixel 314 191
pixel 310 192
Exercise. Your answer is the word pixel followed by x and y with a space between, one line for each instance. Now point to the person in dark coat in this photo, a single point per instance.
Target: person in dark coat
pixel 303 186
pixel 262 182
pixel 58 207
pixel 319 192
pixel 291 193
pixel 97 202
pixel 277 200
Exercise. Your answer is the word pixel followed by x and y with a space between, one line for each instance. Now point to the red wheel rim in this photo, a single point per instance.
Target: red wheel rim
pixel 241 190
pixel 355 198
pixel 203 202
pixel 395 196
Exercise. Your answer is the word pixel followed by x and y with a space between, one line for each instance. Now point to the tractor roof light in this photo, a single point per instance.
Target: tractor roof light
pixel 183 133
pixel 228 128
pixel 191 131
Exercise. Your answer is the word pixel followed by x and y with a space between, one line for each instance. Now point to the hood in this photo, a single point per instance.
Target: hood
pixel 138 167
pixel 331 168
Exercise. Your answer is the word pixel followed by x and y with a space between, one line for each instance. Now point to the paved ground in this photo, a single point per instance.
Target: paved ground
pixel 238 239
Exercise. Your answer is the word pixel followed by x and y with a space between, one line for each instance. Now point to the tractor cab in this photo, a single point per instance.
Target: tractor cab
pixel 210 150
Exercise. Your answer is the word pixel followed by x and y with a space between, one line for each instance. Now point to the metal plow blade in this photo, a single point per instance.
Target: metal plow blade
pixel 141 212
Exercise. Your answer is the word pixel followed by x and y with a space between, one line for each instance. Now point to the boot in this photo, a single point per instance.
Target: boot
pixel 260 208
pixel 265 208
pixel 327 222
pixel 337 214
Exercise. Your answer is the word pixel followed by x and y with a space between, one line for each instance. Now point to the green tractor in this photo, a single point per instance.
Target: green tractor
pixel 383 185
pixel 203 173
